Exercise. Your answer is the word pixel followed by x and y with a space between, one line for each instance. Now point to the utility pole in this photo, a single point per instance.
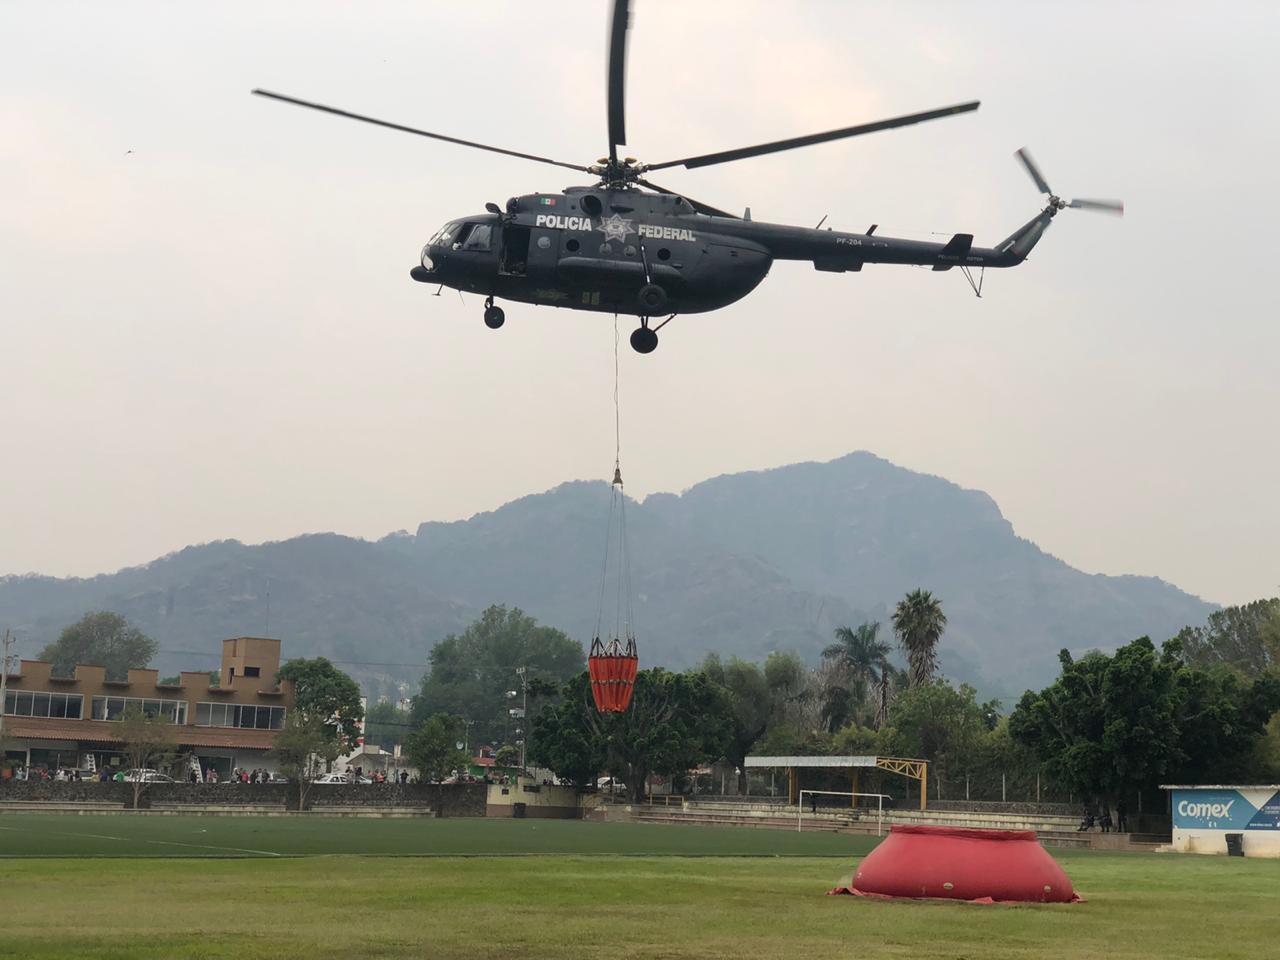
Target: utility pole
pixel 4 677
pixel 524 715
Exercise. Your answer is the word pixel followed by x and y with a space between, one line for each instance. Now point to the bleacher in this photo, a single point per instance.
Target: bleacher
pixel 1051 829
pixel 321 808
pixel 219 809
pixel 61 806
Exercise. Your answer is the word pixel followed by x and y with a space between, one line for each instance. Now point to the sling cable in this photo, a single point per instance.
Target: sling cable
pixel 613 662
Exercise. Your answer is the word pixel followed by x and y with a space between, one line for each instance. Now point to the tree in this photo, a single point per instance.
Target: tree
pixel 861 653
pixel 386 725
pixel 944 725
pixel 470 673
pixel 507 756
pixel 105 639
pixel 433 748
pixel 676 722
pixel 304 749
pixel 861 656
pixel 1220 719
pixel 1114 724
pixel 785 675
pixel 323 692
pixel 1245 638
pixel 148 742
pixel 919 621
pixel 750 703
pixel 892 682
pixel 804 703
pixel 1106 726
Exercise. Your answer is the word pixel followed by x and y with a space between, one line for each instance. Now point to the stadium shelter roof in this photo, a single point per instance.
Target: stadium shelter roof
pixel 1220 786
pixel 917 770
pixel 815 762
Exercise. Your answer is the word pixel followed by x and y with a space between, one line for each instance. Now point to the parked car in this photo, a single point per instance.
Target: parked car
pixel 339 778
pixel 146 776
pixel 609 785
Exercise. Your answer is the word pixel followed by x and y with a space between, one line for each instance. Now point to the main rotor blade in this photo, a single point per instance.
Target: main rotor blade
pixel 421 133
pixel 725 156
pixel 700 207
pixel 616 78
pixel 1025 156
pixel 1106 206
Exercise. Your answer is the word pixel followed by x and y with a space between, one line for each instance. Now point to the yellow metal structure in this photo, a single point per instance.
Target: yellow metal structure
pixel 917 770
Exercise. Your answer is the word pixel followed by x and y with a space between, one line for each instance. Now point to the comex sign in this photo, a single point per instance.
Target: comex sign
pixel 1190 808
pixel 1244 809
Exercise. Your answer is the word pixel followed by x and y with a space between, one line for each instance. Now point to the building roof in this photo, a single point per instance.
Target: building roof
pixel 841 762
pixel 1219 786
pixel 106 732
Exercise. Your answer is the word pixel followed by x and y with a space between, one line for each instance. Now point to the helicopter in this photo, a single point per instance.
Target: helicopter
pixel 625 245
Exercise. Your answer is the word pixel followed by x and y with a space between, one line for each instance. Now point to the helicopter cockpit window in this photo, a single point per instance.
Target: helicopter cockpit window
pixel 479 237
pixel 460 235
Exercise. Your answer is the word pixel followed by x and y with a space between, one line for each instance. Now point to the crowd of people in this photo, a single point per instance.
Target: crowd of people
pixel 353 775
pixel 1102 819
pixel 238 775
pixel 66 775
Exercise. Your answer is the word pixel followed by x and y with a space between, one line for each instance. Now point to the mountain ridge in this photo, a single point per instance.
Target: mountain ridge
pixel 742 563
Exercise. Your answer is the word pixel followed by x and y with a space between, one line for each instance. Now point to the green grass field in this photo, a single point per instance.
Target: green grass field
pixel 317 889
pixel 33 835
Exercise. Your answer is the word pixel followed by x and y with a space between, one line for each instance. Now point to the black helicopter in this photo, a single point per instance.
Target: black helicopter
pixel 616 248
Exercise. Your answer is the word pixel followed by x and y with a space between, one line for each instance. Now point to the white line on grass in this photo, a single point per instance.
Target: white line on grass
pixel 172 843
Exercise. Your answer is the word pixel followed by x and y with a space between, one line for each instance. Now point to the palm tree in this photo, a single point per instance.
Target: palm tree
pixel 860 655
pixel 919 622
pixel 882 701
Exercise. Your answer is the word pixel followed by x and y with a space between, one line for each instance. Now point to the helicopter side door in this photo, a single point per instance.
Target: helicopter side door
pixel 544 252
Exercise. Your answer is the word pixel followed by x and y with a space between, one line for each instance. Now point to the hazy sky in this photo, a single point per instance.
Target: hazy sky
pixel 216 336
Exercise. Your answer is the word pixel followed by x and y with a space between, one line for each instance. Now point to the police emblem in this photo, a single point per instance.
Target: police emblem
pixel 615 228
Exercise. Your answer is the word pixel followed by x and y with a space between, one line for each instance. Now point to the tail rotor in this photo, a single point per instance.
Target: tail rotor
pixel 1115 207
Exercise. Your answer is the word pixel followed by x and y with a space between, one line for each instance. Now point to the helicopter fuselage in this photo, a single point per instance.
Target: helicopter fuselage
pixel 594 248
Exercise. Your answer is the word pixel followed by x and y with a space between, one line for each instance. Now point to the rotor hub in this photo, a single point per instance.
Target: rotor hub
pixel 618 174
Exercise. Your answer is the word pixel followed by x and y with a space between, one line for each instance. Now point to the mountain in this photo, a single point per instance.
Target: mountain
pixel 742 564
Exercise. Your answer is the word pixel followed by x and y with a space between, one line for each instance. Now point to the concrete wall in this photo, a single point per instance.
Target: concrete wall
pixel 539 799
pixel 996 806
pixel 448 799
pixel 451 800
pixel 1254 843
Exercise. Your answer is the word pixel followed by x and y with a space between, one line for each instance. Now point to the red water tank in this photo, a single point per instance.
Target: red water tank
pixel 961 864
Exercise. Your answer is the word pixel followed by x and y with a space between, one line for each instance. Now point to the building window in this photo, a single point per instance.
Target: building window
pixel 252 671
pixel 112 708
pixel 29 703
pixel 244 716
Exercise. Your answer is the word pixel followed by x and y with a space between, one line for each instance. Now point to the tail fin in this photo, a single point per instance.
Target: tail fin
pixel 1019 243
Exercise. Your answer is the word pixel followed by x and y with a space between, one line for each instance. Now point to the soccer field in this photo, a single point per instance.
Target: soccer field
pixel 737 893
pixel 33 835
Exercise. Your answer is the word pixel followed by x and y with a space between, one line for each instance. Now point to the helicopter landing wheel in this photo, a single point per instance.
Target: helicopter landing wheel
pixel 644 340
pixel 653 299
pixel 493 316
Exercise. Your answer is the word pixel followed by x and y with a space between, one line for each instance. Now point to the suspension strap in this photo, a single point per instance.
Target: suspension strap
pixel 617 551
